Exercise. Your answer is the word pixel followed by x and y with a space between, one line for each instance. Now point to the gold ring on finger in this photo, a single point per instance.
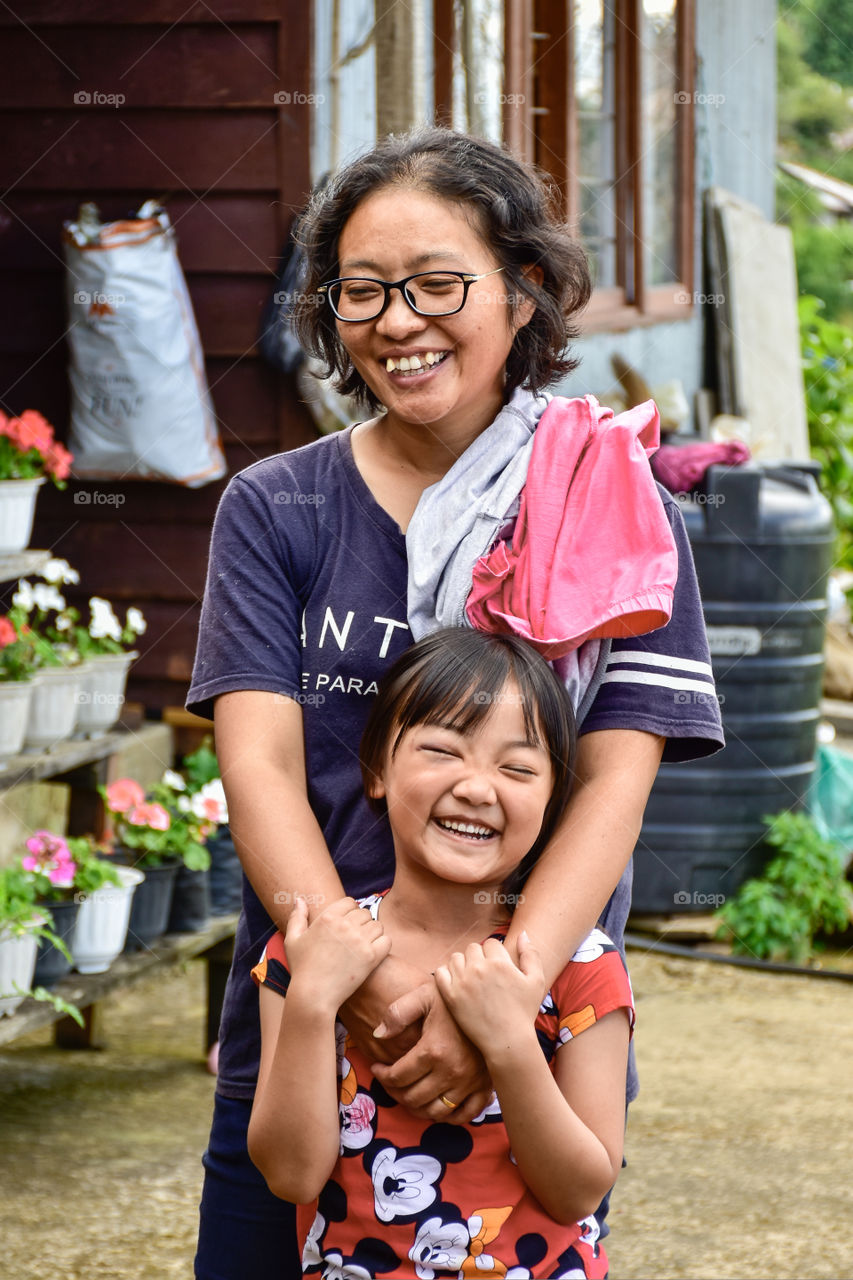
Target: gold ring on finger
pixel 451 1106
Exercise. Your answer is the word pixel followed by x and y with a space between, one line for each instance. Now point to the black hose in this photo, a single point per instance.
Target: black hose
pixel 640 943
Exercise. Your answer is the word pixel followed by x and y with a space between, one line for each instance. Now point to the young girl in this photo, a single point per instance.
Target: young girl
pixel 469 746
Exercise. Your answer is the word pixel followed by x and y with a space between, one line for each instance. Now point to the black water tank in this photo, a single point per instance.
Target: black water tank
pixel 762 538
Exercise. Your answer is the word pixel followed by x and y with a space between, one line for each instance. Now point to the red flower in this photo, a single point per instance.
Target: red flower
pixel 8 634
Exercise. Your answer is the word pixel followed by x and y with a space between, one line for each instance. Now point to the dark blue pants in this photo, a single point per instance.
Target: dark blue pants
pixel 245 1230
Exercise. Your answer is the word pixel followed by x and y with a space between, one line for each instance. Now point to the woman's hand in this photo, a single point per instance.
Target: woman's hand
pixel 442 1064
pixel 336 952
pixel 491 998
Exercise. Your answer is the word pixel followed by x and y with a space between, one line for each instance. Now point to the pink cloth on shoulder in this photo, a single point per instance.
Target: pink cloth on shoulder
pixel 592 553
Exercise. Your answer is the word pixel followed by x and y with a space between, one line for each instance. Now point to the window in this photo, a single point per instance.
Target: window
pixel 605 104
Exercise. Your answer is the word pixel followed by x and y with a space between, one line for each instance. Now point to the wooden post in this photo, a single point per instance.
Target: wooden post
pixel 397 73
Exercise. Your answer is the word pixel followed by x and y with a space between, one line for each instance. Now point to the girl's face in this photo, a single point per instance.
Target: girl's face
pixel 466 808
pixel 394 234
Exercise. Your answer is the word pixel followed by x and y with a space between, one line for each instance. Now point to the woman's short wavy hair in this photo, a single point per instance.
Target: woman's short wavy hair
pixel 514 208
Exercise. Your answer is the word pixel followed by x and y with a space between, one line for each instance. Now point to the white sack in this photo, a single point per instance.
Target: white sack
pixel 140 407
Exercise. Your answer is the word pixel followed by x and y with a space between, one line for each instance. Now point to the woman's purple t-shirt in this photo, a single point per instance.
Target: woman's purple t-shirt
pixel 306 597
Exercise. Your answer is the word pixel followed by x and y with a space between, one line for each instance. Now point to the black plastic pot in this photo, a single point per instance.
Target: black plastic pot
pixel 190 902
pixel 226 874
pixel 152 900
pixel 51 964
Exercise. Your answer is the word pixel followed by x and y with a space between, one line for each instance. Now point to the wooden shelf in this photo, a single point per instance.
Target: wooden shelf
pixel 21 563
pixel 61 758
pixel 84 990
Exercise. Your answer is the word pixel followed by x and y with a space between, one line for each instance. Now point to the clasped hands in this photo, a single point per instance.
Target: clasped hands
pixel 427 1036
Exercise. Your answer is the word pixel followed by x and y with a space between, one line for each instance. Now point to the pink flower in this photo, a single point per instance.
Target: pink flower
pixel 123 794
pixel 58 461
pixel 50 855
pixel 149 815
pixel 8 634
pixel 31 431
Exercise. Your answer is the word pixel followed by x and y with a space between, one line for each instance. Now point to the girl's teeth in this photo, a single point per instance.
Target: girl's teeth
pixel 467 828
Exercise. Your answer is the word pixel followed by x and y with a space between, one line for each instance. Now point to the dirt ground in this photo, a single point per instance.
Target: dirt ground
pixel 739 1147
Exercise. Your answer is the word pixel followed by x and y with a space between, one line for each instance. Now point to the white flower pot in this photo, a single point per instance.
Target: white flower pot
pixel 15 696
pixel 101 927
pixel 100 697
pixel 17 965
pixel 17 509
pixel 53 707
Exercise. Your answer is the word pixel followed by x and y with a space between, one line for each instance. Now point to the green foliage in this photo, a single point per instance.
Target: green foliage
pixel 18 912
pixel 825 266
pixel 828 374
pixel 200 767
pixel 809 105
pixel 802 891
pixel 92 871
pixel 827 27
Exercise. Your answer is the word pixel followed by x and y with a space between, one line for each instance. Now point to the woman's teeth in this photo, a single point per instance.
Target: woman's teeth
pixel 414 364
pixel 466 828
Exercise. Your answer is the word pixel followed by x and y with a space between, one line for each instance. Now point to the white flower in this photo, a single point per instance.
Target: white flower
pixel 184 804
pixel 136 622
pixel 174 780
pixel 64 622
pixel 23 597
pixel 47 597
pixel 59 571
pixel 104 623
pixel 209 803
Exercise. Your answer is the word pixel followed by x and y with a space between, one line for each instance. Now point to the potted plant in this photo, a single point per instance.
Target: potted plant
pixel 42 612
pixel 17 664
pixel 21 925
pixel 50 864
pixel 106 647
pixel 196 804
pixel 29 455
pixel 140 831
pixel 226 873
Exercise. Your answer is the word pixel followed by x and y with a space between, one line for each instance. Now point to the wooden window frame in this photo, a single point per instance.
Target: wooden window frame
pixel 539 74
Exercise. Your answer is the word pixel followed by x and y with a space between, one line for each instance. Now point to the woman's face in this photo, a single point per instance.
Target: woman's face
pixel 394 234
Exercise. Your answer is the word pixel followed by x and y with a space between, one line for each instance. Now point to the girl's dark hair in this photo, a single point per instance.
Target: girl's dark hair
pixel 455 677
pixel 515 212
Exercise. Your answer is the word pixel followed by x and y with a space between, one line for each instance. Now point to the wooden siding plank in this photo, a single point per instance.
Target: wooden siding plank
pixel 230 233
pixel 166 151
pixel 106 13
pixel 196 66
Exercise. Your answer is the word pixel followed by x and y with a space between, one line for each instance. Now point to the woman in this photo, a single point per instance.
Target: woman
pixel 448 290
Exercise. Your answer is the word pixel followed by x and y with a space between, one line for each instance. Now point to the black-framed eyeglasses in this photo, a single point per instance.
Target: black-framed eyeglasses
pixel 429 293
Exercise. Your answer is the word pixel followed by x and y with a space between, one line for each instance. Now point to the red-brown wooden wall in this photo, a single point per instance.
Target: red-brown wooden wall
pixel 200 127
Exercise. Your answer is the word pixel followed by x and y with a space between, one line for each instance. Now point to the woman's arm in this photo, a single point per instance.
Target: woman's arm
pixel 564 895
pixel 259 744
pixel 294 1133
pixel 565 1129
pixel 571 883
